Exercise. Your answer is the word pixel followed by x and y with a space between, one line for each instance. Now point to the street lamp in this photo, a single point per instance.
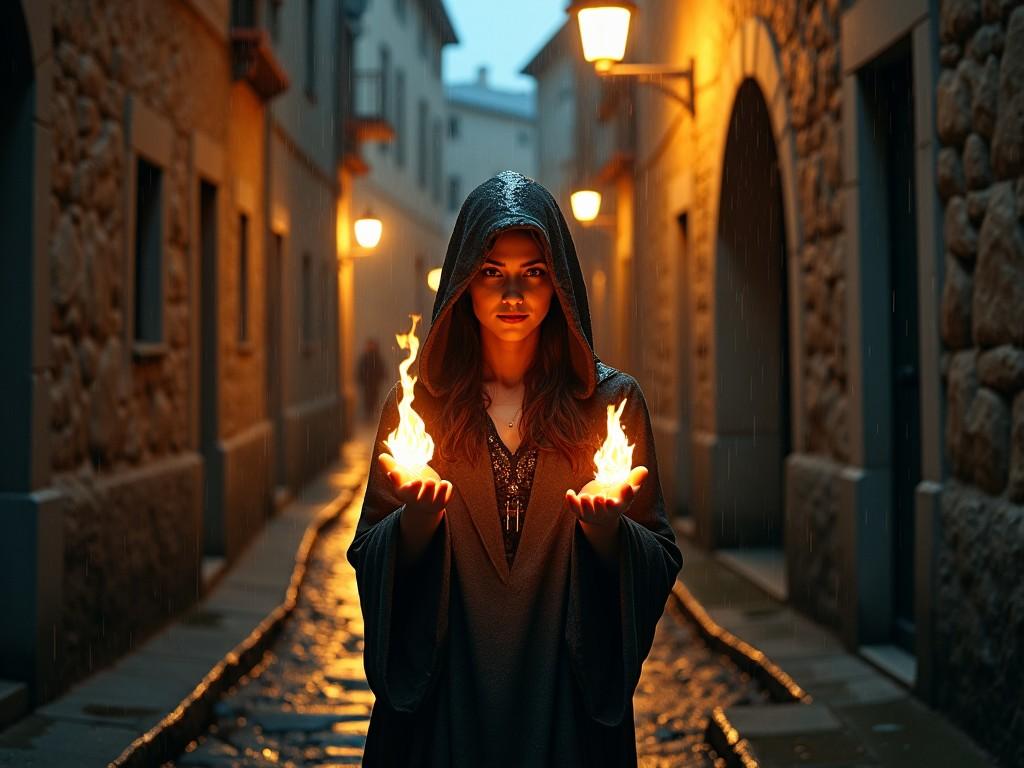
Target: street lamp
pixel 604 28
pixel 368 229
pixel 586 204
pixel 434 279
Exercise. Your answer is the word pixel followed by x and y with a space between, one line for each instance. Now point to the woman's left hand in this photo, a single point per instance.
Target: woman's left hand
pixel 601 506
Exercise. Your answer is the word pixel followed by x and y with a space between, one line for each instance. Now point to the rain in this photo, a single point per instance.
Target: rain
pixel 437 382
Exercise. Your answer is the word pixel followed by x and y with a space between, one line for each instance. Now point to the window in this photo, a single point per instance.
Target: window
pixel 243 278
pixel 307 298
pixel 400 118
pixel 400 6
pixel 311 48
pixel 274 19
pixel 424 32
pixel 385 83
pixel 453 127
pixel 523 138
pixel 243 13
pixel 149 294
pixel 421 145
pixel 435 157
pixel 454 193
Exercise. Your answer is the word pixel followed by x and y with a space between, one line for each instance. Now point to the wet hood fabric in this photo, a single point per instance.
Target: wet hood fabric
pixel 510 201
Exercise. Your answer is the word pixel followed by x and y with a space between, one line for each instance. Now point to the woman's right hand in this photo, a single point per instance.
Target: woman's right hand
pixel 425 497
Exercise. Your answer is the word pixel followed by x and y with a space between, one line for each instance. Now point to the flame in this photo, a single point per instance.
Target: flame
pixel 614 459
pixel 410 443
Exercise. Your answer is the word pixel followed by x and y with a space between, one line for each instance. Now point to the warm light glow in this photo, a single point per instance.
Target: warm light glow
pixel 614 459
pixel 604 28
pixel 586 204
pixel 368 231
pixel 409 443
pixel 434 279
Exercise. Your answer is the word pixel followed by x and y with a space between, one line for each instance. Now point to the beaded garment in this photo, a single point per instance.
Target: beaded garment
pixel 513 479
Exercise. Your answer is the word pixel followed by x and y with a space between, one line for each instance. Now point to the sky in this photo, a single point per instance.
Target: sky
pixel 501 34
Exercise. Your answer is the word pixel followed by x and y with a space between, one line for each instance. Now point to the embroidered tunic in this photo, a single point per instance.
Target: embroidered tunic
pixel 513 479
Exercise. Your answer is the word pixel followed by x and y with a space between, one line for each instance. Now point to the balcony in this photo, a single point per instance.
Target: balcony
pixel 369 119
pixel 253 60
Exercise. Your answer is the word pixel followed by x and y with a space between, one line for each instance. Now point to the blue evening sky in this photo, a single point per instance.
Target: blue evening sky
pixel 500 34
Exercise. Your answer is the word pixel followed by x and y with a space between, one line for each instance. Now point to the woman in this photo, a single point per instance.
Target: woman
pixel 506 616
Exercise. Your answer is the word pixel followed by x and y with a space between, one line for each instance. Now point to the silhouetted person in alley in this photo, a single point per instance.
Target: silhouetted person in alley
pixel 370 372
pixel 507 612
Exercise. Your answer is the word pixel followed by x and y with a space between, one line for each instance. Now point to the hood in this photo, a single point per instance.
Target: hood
pixel 510 201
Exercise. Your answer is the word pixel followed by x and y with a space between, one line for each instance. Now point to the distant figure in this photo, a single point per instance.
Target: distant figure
pixel 370 370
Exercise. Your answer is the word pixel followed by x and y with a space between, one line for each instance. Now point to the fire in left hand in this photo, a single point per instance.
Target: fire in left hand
pixel 602 504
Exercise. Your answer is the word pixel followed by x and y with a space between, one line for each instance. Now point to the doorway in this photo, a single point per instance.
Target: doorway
pixel 887 87
pixel 275 360
pixel 209 432
pixel 752 409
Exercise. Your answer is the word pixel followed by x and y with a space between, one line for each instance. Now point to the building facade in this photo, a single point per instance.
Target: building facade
pixel 170 311
pixel 488 130
pixel 399 49
pixel 827 313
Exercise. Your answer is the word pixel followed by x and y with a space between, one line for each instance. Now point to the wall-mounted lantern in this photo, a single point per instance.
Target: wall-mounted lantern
pixel 604 29
pixel 368 229
pixel 434 279
pixel 586 204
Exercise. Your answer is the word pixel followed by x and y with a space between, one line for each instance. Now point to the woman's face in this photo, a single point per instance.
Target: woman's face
pixel 512 291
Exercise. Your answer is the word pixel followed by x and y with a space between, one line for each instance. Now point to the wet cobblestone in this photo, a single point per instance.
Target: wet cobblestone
pixel 308 704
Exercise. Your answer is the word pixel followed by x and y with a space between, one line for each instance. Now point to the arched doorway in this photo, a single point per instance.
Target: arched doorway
pixel 17 170
pixel 752 398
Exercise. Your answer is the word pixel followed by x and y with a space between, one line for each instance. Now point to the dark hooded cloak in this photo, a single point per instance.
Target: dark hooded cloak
pixel 475 663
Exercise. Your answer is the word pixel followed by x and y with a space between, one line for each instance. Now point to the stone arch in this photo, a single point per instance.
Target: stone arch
pixel 729 464
pixel 753 55
pixel 33 529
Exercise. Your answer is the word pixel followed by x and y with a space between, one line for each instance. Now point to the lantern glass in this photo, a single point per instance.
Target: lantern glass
pixel 434 279
pixel 368 231
pixel 586 204
pixel 603 31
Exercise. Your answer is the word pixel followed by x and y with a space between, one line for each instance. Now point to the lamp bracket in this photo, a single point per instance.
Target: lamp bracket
pixel 655 74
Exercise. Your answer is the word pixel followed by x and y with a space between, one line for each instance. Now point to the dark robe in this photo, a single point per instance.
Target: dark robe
pixel 474 662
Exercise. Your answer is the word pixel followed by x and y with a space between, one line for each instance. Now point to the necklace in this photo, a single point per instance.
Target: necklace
pixel 515 416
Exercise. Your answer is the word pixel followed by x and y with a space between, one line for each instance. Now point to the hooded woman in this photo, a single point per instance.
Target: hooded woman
pixel 506 615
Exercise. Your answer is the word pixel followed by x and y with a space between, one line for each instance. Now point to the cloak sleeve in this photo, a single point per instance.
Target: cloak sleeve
pixel 611 618
pixel 405 610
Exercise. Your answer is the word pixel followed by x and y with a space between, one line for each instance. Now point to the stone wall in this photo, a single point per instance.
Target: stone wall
pixel 980 177
pixel 131 483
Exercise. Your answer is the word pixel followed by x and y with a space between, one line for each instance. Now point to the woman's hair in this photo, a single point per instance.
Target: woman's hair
pixel 551 414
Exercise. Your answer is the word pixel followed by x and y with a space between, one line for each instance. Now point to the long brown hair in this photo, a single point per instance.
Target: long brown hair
pixel 551 414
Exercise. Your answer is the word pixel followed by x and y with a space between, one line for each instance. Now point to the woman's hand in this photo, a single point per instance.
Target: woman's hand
pixel 425 497
pixel 599 507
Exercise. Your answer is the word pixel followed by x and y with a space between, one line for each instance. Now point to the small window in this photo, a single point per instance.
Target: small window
pixel 523 138
pixel 400 6
pixel 385 84
pixel 421 144
pixel 243 278
pixel 400 118
pixel 274 19
pixel 454 193
pixel 149 292
pixel 311 48
pixel 435 157
pixel 424 35
pixel 244 13
pixel 453 127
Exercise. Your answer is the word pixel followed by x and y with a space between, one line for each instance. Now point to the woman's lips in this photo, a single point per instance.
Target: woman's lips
pixel 512 318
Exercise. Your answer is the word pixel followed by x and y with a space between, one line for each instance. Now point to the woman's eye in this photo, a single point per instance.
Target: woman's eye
pixel 490 272
pixel 535 272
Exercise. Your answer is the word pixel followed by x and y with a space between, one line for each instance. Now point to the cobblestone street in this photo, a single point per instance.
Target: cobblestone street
pixel 307 703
